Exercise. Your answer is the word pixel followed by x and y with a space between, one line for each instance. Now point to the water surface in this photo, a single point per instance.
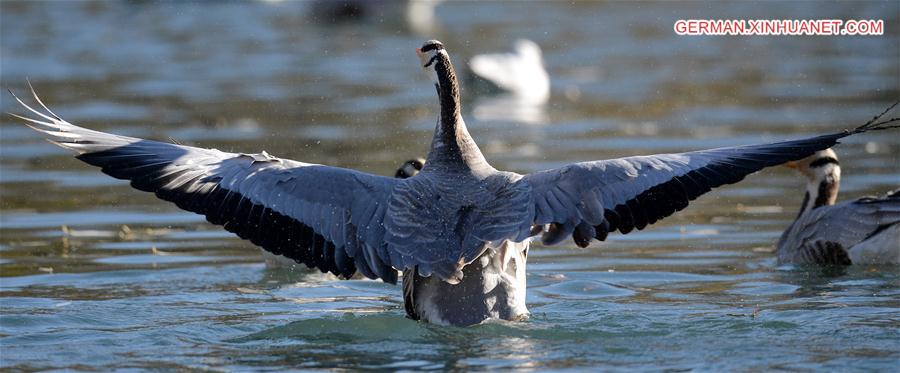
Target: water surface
pixel 95 275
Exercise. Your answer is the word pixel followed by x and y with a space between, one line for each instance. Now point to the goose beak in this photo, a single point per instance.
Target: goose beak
pixel 422 57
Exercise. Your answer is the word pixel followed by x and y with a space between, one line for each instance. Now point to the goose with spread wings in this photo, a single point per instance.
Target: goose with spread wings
pixel 459 229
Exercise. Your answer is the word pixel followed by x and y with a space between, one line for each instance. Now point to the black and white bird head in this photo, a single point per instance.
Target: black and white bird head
pixel 819 166
pixel 429 55
pixel 410 168
pixel 823 172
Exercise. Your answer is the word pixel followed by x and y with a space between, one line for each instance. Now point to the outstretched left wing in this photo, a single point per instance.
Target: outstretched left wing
pixel 326 217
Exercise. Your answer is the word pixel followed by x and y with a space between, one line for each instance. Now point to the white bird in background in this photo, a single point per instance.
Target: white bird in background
pixel 520 73
pixel 861 231
pixel 459 229
pixel 522 80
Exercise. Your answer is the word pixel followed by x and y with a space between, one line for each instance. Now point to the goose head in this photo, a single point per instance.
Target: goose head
pixel 430 55
pixel 823 174
pixel 410 168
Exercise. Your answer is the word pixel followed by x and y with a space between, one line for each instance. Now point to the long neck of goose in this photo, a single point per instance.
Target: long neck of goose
pixel 452 145
pixel 822 189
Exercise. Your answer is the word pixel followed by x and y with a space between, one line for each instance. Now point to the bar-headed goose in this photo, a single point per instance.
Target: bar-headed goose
pixel 410 168
pixel 460 227
pixel 860 231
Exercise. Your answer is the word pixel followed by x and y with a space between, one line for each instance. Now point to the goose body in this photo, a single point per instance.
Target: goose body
pixel 499 273
pixel 459 228
pixel 861 231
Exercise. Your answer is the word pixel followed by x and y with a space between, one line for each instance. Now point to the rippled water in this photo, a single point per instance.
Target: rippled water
pixel 94 275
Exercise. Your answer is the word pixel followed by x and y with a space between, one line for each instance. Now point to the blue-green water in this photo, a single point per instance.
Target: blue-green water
pixel 97 276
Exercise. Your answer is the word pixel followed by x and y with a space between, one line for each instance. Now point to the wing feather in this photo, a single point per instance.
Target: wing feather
pixel 325 217
pixel 631 193
pixel 845 224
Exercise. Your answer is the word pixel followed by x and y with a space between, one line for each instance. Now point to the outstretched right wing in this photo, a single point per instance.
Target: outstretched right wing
pixel 590 199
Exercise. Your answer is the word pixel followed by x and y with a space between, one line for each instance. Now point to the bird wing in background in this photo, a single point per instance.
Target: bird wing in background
pixel 844 224
pixel 822 252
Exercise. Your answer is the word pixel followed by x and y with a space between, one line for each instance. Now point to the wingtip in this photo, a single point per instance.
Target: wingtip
pixel 66 146
pixel 52 118
pixel 38 99
pixel 12 93
pixel 875 124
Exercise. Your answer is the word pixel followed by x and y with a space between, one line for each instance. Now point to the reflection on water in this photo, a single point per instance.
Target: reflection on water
pixel 509 108
pixel 94 275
